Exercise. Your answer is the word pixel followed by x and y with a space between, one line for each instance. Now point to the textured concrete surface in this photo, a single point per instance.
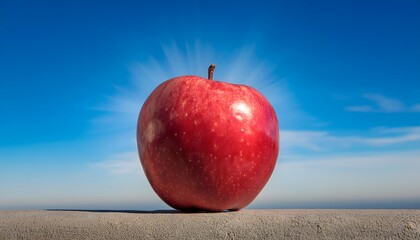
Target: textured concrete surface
pixel 245 224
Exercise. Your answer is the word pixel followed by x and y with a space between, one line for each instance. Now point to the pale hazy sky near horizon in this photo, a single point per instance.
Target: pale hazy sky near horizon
pixel 343 77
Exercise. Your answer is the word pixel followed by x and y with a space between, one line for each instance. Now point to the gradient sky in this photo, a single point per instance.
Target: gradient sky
pixel 343 77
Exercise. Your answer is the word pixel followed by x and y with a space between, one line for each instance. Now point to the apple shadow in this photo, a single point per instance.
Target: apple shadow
pixel 118 211
pixel 135 211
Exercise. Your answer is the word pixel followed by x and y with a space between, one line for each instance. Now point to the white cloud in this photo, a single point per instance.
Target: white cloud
pixel 380 103
pixel 365 108
pixel 398 135
pixel 303 139
pixel 122 163
pixel 386 104
pixel 415 108
pixel 292 141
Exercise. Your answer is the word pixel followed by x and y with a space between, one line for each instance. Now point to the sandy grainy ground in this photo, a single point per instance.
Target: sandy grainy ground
pixel 245 224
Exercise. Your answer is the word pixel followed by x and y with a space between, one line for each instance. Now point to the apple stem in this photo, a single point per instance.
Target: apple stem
pixel 211 71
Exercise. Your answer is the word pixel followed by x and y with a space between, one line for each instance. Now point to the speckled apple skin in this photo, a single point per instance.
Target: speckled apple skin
pixel 207 145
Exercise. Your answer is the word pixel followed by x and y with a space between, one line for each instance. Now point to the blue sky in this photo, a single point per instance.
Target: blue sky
pixel 343 77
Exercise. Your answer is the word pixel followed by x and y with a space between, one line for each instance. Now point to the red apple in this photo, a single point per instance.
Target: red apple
pixel 207 145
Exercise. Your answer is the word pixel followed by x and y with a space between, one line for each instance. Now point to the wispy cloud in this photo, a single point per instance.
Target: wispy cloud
pixel 415 108
pixel 317 141
pixel 122 163
pixel 380 103
pixel 364 108
pixel 386 104
pixel 311 140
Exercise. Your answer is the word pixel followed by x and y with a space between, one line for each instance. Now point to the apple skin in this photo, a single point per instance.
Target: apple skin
pixel 207 145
